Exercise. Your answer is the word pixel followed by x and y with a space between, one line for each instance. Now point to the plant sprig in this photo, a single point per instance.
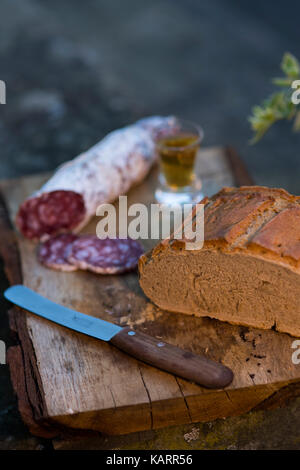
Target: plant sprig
pixel 279 105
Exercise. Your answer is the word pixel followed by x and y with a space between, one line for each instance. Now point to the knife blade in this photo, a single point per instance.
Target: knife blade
pixel 77 321
pixel 185 364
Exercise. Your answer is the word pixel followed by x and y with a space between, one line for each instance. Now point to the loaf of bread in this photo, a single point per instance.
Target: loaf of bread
pixel 248 271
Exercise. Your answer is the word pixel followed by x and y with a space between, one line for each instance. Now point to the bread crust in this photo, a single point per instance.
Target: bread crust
pixel 258 220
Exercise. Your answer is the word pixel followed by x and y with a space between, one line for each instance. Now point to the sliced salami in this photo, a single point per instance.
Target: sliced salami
pixel 55 251
pixel 109 256
pixel 110 168
pixel 50 213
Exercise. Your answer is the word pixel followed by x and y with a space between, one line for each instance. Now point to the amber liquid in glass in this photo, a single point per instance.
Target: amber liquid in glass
pixel 177 157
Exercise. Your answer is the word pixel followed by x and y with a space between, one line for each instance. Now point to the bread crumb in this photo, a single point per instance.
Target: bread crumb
pixel 191 436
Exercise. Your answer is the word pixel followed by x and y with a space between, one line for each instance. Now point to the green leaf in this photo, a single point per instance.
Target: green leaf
pixel 283 82
pixel 279 105
pixel 290 66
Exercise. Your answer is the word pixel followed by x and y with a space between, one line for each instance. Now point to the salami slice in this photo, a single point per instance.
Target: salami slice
pixel 70 198
pixel 50 213
pixel 55 251
pixel 109 256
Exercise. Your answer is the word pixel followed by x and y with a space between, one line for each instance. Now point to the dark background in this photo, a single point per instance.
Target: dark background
pixel 77 69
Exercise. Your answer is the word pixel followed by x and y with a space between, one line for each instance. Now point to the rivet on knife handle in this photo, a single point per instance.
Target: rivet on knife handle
pixel 185 364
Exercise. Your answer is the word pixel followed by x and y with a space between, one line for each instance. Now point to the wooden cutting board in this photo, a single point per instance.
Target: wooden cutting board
pixel 66 381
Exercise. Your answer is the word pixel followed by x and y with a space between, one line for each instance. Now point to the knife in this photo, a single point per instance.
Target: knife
pixel 185 364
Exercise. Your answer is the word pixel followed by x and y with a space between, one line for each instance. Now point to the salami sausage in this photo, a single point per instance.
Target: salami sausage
pixel 108 256
pixel 54 252
pixel 70 198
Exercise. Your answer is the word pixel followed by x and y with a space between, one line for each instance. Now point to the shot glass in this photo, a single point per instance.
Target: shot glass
pixel 177 152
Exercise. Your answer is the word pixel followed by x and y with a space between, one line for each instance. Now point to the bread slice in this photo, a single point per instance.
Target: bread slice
pixel 248 271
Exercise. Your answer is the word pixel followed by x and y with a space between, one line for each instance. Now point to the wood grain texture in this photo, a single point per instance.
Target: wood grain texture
pixel 84 384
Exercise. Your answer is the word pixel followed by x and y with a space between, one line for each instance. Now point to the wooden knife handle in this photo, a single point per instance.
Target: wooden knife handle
pixel 198 369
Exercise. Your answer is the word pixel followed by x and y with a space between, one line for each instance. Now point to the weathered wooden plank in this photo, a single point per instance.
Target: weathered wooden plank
pixel 87 384
pixel 21 358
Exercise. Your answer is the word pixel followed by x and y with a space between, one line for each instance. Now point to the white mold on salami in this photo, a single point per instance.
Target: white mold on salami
pixel 97 176
pixel 108 256
pixel 55 251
